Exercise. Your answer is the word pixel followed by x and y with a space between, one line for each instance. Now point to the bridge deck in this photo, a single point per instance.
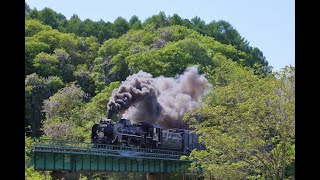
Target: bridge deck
pixel 75 156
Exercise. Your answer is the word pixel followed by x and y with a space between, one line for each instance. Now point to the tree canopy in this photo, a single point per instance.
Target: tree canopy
pixel 247 124
pixel 221 30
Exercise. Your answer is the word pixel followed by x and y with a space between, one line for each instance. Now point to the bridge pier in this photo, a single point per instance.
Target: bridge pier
pixel 158 176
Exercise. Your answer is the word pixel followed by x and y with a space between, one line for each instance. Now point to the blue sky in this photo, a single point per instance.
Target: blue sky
pixel 267 24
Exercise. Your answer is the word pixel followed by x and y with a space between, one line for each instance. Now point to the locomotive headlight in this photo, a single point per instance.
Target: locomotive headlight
pixel 100 134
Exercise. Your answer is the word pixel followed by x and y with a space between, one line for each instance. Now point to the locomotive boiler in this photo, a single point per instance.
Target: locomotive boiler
pixel 144 134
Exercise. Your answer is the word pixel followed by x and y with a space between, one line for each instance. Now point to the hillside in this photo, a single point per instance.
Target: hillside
pixel 72 67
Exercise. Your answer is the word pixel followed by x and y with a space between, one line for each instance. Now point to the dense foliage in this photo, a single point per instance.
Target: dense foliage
pixel 72 67
pixel 30 173
pixel 247 124
pixel 221 31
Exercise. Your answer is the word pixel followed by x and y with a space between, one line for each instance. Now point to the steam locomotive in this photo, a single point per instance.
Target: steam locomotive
pixel 144 134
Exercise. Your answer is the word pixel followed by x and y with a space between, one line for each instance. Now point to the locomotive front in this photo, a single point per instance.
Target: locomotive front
pixel 102 133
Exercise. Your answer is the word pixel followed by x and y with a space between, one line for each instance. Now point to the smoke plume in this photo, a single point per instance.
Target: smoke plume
pixel 159 100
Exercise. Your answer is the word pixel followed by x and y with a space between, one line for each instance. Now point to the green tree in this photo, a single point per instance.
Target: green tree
pixel 159 20
pixel 171 59
pixel 36 90
pixel 33 14
pixel 247 124
pixel 88 47
pixel 65 68
pixel 135 23
pixel 120 26
pixel 85 80
pixel 74 25
pixel 33 48
pixel 175 20
pixel 224 32
pixel 163 51
pixel 105 31
pixel 63 115
pixel 98 106
pixel 198 25
pixel 51 37
pixel 86 28
pixel 33 26
pixel 48 17
pixel 46 64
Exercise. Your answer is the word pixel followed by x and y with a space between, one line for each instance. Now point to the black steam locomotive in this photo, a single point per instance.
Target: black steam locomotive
pixel 144 134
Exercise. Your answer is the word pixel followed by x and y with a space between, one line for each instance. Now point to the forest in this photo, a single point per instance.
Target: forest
pixel 246 118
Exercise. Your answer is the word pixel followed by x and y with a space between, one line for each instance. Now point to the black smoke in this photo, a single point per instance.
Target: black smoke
pixel 160 100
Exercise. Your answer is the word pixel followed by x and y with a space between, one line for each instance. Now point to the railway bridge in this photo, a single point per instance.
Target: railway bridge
pixel 67 156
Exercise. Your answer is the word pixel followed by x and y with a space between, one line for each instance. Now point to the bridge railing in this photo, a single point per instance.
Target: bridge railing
pixel 50 145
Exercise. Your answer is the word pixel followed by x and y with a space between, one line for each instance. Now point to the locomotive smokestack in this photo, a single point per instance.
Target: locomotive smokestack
pixel 111 112
pixel 159 100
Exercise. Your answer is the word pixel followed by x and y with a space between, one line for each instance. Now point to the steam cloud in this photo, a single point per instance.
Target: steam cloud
pixel 159 100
